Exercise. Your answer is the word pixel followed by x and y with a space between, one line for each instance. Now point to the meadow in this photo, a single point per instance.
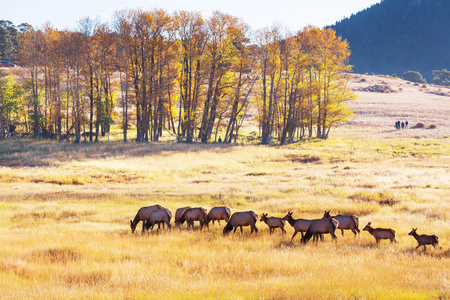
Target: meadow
pixel 66 210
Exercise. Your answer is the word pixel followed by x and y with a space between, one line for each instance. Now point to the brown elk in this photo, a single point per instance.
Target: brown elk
pixel 381 233
pixel 345 222
pixel 217 214
pixel 193 214
pixel 319 227
pixel 425 239
pixel 239 219
pixel 178 213
pixel 300 225
pixel 160 216
pixel 142 215
pixel 273 223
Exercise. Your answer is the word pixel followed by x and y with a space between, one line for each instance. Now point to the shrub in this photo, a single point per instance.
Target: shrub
pixel 420 125
pixel 414 76
pixel 432 126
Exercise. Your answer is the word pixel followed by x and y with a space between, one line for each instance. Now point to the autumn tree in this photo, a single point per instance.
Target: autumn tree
pixel 31 42
pixel 10 96
pixel 124 50
pixel 86 27
pixel 191 39
pixel 268 55
pixel 242 81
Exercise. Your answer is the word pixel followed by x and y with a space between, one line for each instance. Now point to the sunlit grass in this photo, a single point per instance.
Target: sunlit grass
pixel 65 212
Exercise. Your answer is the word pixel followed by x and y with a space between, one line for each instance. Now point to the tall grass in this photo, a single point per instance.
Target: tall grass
pixel 65 213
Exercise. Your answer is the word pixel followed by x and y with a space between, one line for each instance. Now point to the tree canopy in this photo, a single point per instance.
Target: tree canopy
pixel 183 75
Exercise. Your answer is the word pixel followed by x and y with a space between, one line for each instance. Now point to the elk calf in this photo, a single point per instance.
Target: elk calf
pixel 381 233
pixel 273 223
pixel 425 239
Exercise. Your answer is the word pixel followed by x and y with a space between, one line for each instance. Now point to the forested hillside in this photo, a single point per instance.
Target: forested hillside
pixel 396 36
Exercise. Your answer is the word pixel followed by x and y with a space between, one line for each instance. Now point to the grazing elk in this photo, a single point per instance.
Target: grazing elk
pixel 300 225
pixel 381 233
pixel 425 239
pixel 217 214
pixel 273 223
pixel 319 227
pixel 193 214
pixel 142 215
pixel 178 214
pixel 239 219
pixel 345 222
pixel 160 216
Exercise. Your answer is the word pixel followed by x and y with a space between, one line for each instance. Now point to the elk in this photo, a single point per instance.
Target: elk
pixel 319 227
pixel 300 225
pixel 273 223
pixel 217 214
pixel 178 213
pixel 381 233
pixel 142 215
pixel 425 239
pixel 157 217
pixel 345 222
pixel 239 219
pixel 193 214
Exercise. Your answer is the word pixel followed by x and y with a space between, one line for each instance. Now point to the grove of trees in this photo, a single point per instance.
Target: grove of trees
pixel 177 74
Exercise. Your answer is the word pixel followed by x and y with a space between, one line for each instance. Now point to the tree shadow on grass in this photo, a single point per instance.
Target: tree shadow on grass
pixel 31 153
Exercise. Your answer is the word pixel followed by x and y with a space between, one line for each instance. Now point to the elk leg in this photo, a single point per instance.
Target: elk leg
pixel 295 234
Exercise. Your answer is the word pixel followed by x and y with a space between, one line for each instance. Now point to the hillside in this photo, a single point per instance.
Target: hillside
pixel 375 113
pixel 396 36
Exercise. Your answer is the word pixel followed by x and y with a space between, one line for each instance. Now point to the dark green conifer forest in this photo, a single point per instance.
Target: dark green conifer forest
pixel 396 36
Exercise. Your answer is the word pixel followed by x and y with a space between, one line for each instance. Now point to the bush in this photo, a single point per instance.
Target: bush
pixel 414 76
pixel 420 125
pixel 432 126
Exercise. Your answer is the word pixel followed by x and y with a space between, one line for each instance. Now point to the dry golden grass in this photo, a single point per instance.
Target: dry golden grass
pixel 65 223
pixel 65 213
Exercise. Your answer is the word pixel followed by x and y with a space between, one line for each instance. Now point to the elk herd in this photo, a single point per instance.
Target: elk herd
pixel 309 228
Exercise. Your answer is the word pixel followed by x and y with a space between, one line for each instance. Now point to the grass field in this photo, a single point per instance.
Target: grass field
pixel 66 209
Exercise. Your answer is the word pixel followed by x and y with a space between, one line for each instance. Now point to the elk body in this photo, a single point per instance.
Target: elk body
pixel 425 239
pixel 273 223
pixel 300 225
pixel 193 214
pixel 217 214
pixel 178 214
pixel 160 216
pixel 381 233
pixel 319 227
pixel 345 222
pixel 239 219
pixel 142 215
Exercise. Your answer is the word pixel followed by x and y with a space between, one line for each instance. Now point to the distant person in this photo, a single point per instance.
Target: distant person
pixel 406 124
pixel 403 125
pixel 219 140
